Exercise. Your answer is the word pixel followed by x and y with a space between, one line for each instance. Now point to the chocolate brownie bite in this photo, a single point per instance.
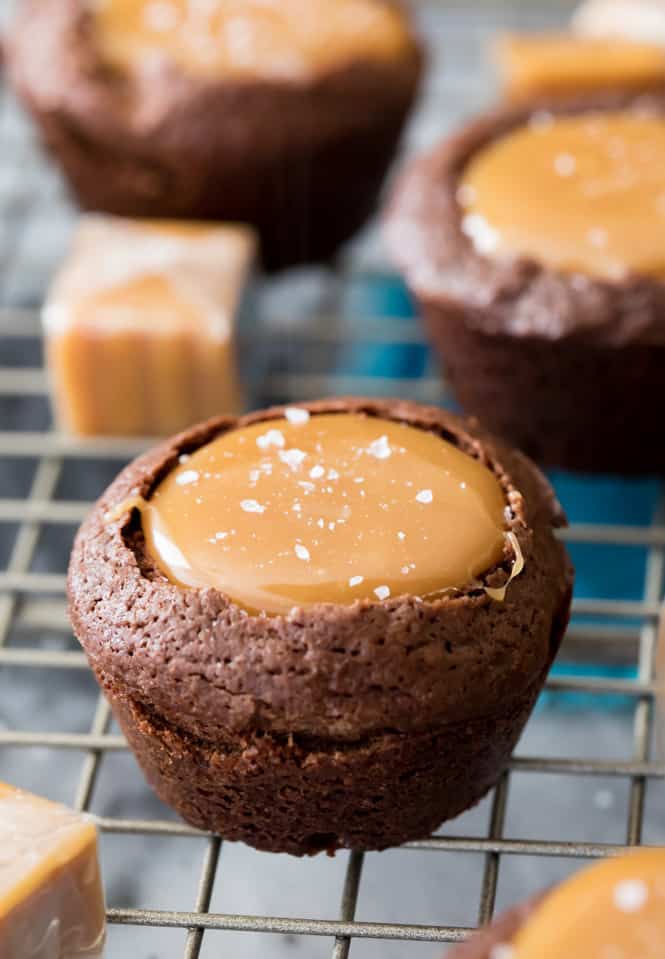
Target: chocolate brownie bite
pixel 284 115
pixel 615 908
pixel 325 626
pixel 534 242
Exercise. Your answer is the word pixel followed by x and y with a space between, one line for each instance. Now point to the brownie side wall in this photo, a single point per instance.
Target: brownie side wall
pixel 278 795
pixel 571 404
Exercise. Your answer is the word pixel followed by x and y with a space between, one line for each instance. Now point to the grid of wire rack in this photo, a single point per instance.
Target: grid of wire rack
pixel 34 599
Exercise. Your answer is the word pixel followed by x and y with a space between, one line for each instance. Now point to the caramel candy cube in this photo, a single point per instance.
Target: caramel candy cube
pixel 552 65
pixel 51 897
pixel 140 325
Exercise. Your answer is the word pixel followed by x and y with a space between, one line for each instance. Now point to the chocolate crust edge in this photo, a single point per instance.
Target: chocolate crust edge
pixel 501 932
pixel 343 673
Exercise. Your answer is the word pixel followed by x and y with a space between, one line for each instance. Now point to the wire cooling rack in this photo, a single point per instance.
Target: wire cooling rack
pixel 47 481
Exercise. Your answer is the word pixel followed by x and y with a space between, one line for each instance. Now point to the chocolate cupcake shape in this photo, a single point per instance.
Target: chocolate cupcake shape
pixel 533 243
pixel 284 115
pixel 354 712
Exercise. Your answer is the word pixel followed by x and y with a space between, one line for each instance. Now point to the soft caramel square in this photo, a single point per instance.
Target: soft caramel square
pixel 140 325
pixel 552 65
pixel 51 897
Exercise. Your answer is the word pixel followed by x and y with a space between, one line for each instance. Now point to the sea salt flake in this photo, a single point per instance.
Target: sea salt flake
pixel 597 237
pixel 184 458
pixel 356 581
pixel 483 236
pixel 502 951
pixel 317 472
pixel 302 552
pixel 333 475
pixel 189 476
pixel 160 16
pixel 380 448
pixel 425 496
pixel 251 506
pixel 271 438
pixel 222 535
pixel 630 895
pixel 382 592
pixel 405 570
pixel 401 535
pixel 293 458
pixel 254 475
pixel 308 487
pixel 565 164
pixel 297 416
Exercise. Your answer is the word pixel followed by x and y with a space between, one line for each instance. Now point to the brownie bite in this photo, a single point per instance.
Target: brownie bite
pixel 323 626
pixel 614 908
pixel 284 115
pixel 533 241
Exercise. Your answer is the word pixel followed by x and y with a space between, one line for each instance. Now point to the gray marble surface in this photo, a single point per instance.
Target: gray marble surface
pixel 400 885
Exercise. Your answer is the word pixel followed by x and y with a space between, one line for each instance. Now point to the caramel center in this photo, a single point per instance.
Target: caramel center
pixel 327 508
pixel 247 37
pixel 583 193
pixel 615 909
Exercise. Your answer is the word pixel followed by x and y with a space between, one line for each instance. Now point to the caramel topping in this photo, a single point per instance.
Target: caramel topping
pixel 275 38
pixel 327 508
pixel 554 65
pixel 581 193
pixel 615 909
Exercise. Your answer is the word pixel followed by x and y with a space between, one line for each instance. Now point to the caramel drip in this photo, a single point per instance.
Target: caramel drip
pixel 327 508
pixel 613 909
pixel 578 194
pixel 124 508
pixel 274 38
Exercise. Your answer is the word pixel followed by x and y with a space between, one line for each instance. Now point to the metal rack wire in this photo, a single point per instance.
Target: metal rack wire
pixel 33 600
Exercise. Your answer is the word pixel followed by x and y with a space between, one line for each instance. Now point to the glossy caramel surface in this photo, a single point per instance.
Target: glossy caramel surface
pixel 579 193
pixel 614 910
pixel 326 508
pixel 274 38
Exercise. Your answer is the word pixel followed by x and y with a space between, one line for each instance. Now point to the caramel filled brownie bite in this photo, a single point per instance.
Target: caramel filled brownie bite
pixel 534 243
pixel 282 114
pixel 615 908
pixel 325 626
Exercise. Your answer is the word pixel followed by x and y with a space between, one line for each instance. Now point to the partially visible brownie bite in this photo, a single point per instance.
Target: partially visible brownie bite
pixel 533 241
pixel 284 115
pixel 613 909
pixel 323 626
